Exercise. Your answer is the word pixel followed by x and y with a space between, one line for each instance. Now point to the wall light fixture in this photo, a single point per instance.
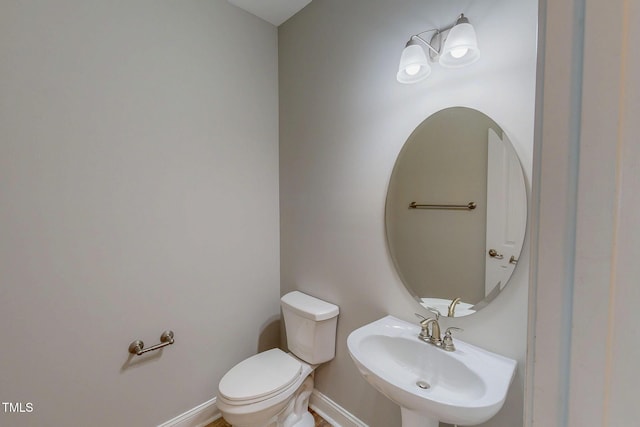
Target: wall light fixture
pixel 460 49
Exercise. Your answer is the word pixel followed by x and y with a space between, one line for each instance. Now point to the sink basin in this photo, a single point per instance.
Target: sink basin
pixel 467 386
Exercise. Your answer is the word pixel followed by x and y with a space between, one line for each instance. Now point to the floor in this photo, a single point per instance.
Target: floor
pixel 318 419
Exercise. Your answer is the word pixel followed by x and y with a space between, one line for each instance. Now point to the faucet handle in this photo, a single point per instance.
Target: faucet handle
pixel 421 317
pixel 435 311
pixel 424 331
pixel 447 341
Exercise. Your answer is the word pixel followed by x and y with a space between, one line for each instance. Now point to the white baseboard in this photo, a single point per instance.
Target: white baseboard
pixel 199 416
pixel 208 412
pixel 333 413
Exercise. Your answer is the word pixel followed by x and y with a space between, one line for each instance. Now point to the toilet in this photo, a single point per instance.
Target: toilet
pixel 272 388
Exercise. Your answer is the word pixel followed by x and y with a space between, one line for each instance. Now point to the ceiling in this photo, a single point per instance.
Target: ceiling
pixel 273 11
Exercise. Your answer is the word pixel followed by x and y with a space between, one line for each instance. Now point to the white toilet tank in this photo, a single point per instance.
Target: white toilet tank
pixel 311 327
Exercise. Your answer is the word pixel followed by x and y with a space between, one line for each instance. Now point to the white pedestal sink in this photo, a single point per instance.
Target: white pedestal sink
pixel 465 387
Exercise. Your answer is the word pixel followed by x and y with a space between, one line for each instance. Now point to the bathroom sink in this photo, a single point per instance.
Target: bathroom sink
pixel 467 386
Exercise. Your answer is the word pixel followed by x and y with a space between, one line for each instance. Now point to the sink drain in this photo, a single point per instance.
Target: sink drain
pixel 423 385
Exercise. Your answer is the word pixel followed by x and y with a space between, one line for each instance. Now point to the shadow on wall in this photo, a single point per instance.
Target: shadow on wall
pixel 134 361
pixel 269 336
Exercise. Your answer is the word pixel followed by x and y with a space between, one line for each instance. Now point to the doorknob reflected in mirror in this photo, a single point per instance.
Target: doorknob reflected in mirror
pixel 494 254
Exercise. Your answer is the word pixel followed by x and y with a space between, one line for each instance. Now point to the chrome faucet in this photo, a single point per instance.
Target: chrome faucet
pixel 432 337
pixel 435 327
pixel 452 307
pixel 435 332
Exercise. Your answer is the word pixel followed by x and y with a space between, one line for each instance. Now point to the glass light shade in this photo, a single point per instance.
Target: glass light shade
pixel 460 47
pixel 414 65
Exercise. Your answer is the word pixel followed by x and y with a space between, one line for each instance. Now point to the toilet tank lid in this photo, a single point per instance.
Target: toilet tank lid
pixel 310 307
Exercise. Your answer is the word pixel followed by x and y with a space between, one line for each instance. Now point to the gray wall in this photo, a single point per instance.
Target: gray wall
pixel 343 121
pixel 138 193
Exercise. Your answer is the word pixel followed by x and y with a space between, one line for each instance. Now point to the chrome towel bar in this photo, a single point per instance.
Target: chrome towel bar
pixel 137 347
pixel 469 206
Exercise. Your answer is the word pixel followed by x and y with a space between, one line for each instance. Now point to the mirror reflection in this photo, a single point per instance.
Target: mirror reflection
pixel 456 211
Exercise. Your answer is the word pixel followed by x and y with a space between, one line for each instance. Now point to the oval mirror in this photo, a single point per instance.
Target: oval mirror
pixel 456 211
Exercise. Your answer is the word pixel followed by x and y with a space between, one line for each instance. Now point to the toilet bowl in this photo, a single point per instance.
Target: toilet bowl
pixel 272 388
pixel 268 387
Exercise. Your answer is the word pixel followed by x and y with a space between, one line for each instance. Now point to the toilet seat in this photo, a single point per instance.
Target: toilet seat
pixel 260 377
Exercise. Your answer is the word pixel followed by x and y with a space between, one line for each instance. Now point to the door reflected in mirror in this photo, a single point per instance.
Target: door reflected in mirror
pixel 456 211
